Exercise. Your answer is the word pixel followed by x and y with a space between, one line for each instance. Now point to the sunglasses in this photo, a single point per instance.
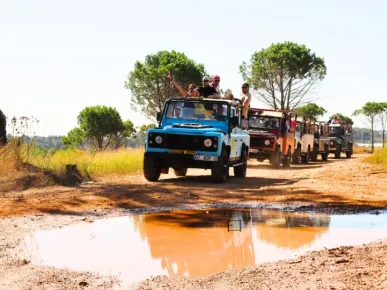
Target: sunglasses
pixel 216 81
pixel 205 81
pixel 244 87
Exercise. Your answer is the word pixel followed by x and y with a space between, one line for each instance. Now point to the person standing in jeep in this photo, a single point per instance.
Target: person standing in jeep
pixel 206 91
pixel 245 99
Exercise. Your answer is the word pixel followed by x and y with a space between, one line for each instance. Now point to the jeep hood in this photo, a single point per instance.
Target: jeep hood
pixel 263 134
pixel 191 129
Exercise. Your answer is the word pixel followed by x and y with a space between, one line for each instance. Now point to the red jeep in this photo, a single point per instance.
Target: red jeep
pixel 271 136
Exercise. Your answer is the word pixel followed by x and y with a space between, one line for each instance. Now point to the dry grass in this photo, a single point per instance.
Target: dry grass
pixel 122 161
pixel 26 166
pixel 379 157
pixel 361 149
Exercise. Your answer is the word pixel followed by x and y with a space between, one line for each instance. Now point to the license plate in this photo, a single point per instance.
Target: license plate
pixel 253 150
pixel 188 152
pixel 205 158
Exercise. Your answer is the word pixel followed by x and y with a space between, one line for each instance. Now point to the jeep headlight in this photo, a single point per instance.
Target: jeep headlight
pixel 332 143
pixel 208 142
pixel 159 139
pixel 267 142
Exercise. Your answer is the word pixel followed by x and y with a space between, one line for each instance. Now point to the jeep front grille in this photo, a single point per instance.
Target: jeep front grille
pixel 189 142
pixel 260 142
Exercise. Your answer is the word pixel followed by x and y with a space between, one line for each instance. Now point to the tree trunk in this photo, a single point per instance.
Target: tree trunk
pixel 73 176
pixel 372 135
pixel 383 137
pixel 3 127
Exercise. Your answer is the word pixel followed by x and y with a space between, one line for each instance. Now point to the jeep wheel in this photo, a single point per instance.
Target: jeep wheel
pixel 219 171
pixel 338 151
pixel 240 171
pixel 276 160
pixel 296 156
pixel 349 152
pixel 305 157
pixel 314 154
pixel 181 172
pixel 324 156
pixel 151 172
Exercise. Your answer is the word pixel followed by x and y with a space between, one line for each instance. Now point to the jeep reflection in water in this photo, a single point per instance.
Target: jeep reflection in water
pixel 197 133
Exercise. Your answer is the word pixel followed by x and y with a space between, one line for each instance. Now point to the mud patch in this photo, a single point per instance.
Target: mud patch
pixel 194 243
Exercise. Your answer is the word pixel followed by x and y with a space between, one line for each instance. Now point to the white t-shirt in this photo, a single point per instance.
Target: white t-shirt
pixel 217 88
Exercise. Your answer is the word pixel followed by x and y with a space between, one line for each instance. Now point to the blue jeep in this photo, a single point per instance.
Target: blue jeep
pixel 197 133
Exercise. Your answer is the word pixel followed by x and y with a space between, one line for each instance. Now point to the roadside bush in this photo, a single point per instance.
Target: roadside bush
pixel 378 157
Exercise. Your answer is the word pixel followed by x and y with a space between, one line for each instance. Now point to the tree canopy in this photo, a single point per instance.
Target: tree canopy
pixel 148 81
pixel 100 127
pixel 3 127
pixel 283 75
pixel 370 110
pixel 311 110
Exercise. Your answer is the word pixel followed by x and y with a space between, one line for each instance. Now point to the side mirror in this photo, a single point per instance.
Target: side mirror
pixel 234 121
pixel 158 116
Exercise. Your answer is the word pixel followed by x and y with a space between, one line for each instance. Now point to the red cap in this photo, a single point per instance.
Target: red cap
pixel 215 77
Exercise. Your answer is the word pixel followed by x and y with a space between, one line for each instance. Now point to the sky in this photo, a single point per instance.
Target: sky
pixel 58 57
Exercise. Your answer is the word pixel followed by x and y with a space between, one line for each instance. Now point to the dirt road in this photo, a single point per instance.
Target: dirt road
pixel 345 185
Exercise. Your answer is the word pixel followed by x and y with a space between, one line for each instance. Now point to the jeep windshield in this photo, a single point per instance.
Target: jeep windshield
pixel 263 123
pixel 334 131
pixel 197 111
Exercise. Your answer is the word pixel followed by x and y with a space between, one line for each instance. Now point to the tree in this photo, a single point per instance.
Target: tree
pixel 144 128
pixel 343 118
pixel 311 110
pixel 283 75
pixel 100 127
pixel 383 120
pixel 3 129
pixel 149 84
pixel 370 110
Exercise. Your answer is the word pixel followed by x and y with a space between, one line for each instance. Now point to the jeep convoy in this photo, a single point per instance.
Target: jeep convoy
pixel 197 133
pixel 210 134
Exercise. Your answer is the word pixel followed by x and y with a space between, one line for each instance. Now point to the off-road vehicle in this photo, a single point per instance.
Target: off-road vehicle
pixel 340 139
pixel 270 137
pixel 197 133
pixel 321 143
pixel 304 141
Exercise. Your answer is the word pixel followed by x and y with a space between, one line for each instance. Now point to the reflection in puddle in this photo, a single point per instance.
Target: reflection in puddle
pixel 194 243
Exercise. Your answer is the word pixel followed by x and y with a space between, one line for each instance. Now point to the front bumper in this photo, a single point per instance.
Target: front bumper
pixel 166 159
pixel 260 153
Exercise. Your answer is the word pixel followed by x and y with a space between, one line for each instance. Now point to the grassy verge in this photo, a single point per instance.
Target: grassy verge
pixel 379 157
pixel 122 161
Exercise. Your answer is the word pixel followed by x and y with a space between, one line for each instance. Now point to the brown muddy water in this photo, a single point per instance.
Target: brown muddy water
pixel 194 243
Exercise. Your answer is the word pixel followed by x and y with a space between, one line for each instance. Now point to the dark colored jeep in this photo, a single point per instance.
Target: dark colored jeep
pixel 340 139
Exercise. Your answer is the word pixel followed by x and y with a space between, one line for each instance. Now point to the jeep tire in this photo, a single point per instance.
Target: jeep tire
pixel 151 172
pixel 275 159
pixel 338 151
pixel 349 152
pixel 219 170
pixel 240 171
pixel 314 154
pixel 296 156
pixel 305 157
pixel 181 172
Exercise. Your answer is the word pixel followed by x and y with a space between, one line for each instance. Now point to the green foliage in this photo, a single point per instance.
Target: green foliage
pixel 149 84
pixel 100 127
pixel 311 110
pixel 343 118
pixel 3 127
pixel 144 128
pixel 74 138
pixel 371 110
pixel 283 74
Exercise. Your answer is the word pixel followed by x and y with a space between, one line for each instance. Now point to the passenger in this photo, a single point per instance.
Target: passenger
pixel 206 91
pixel 215 84
pixel 245 99
pixel 192 93
pixel 235 101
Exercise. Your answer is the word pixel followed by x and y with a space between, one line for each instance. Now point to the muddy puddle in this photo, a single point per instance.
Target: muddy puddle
pixel 194 243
